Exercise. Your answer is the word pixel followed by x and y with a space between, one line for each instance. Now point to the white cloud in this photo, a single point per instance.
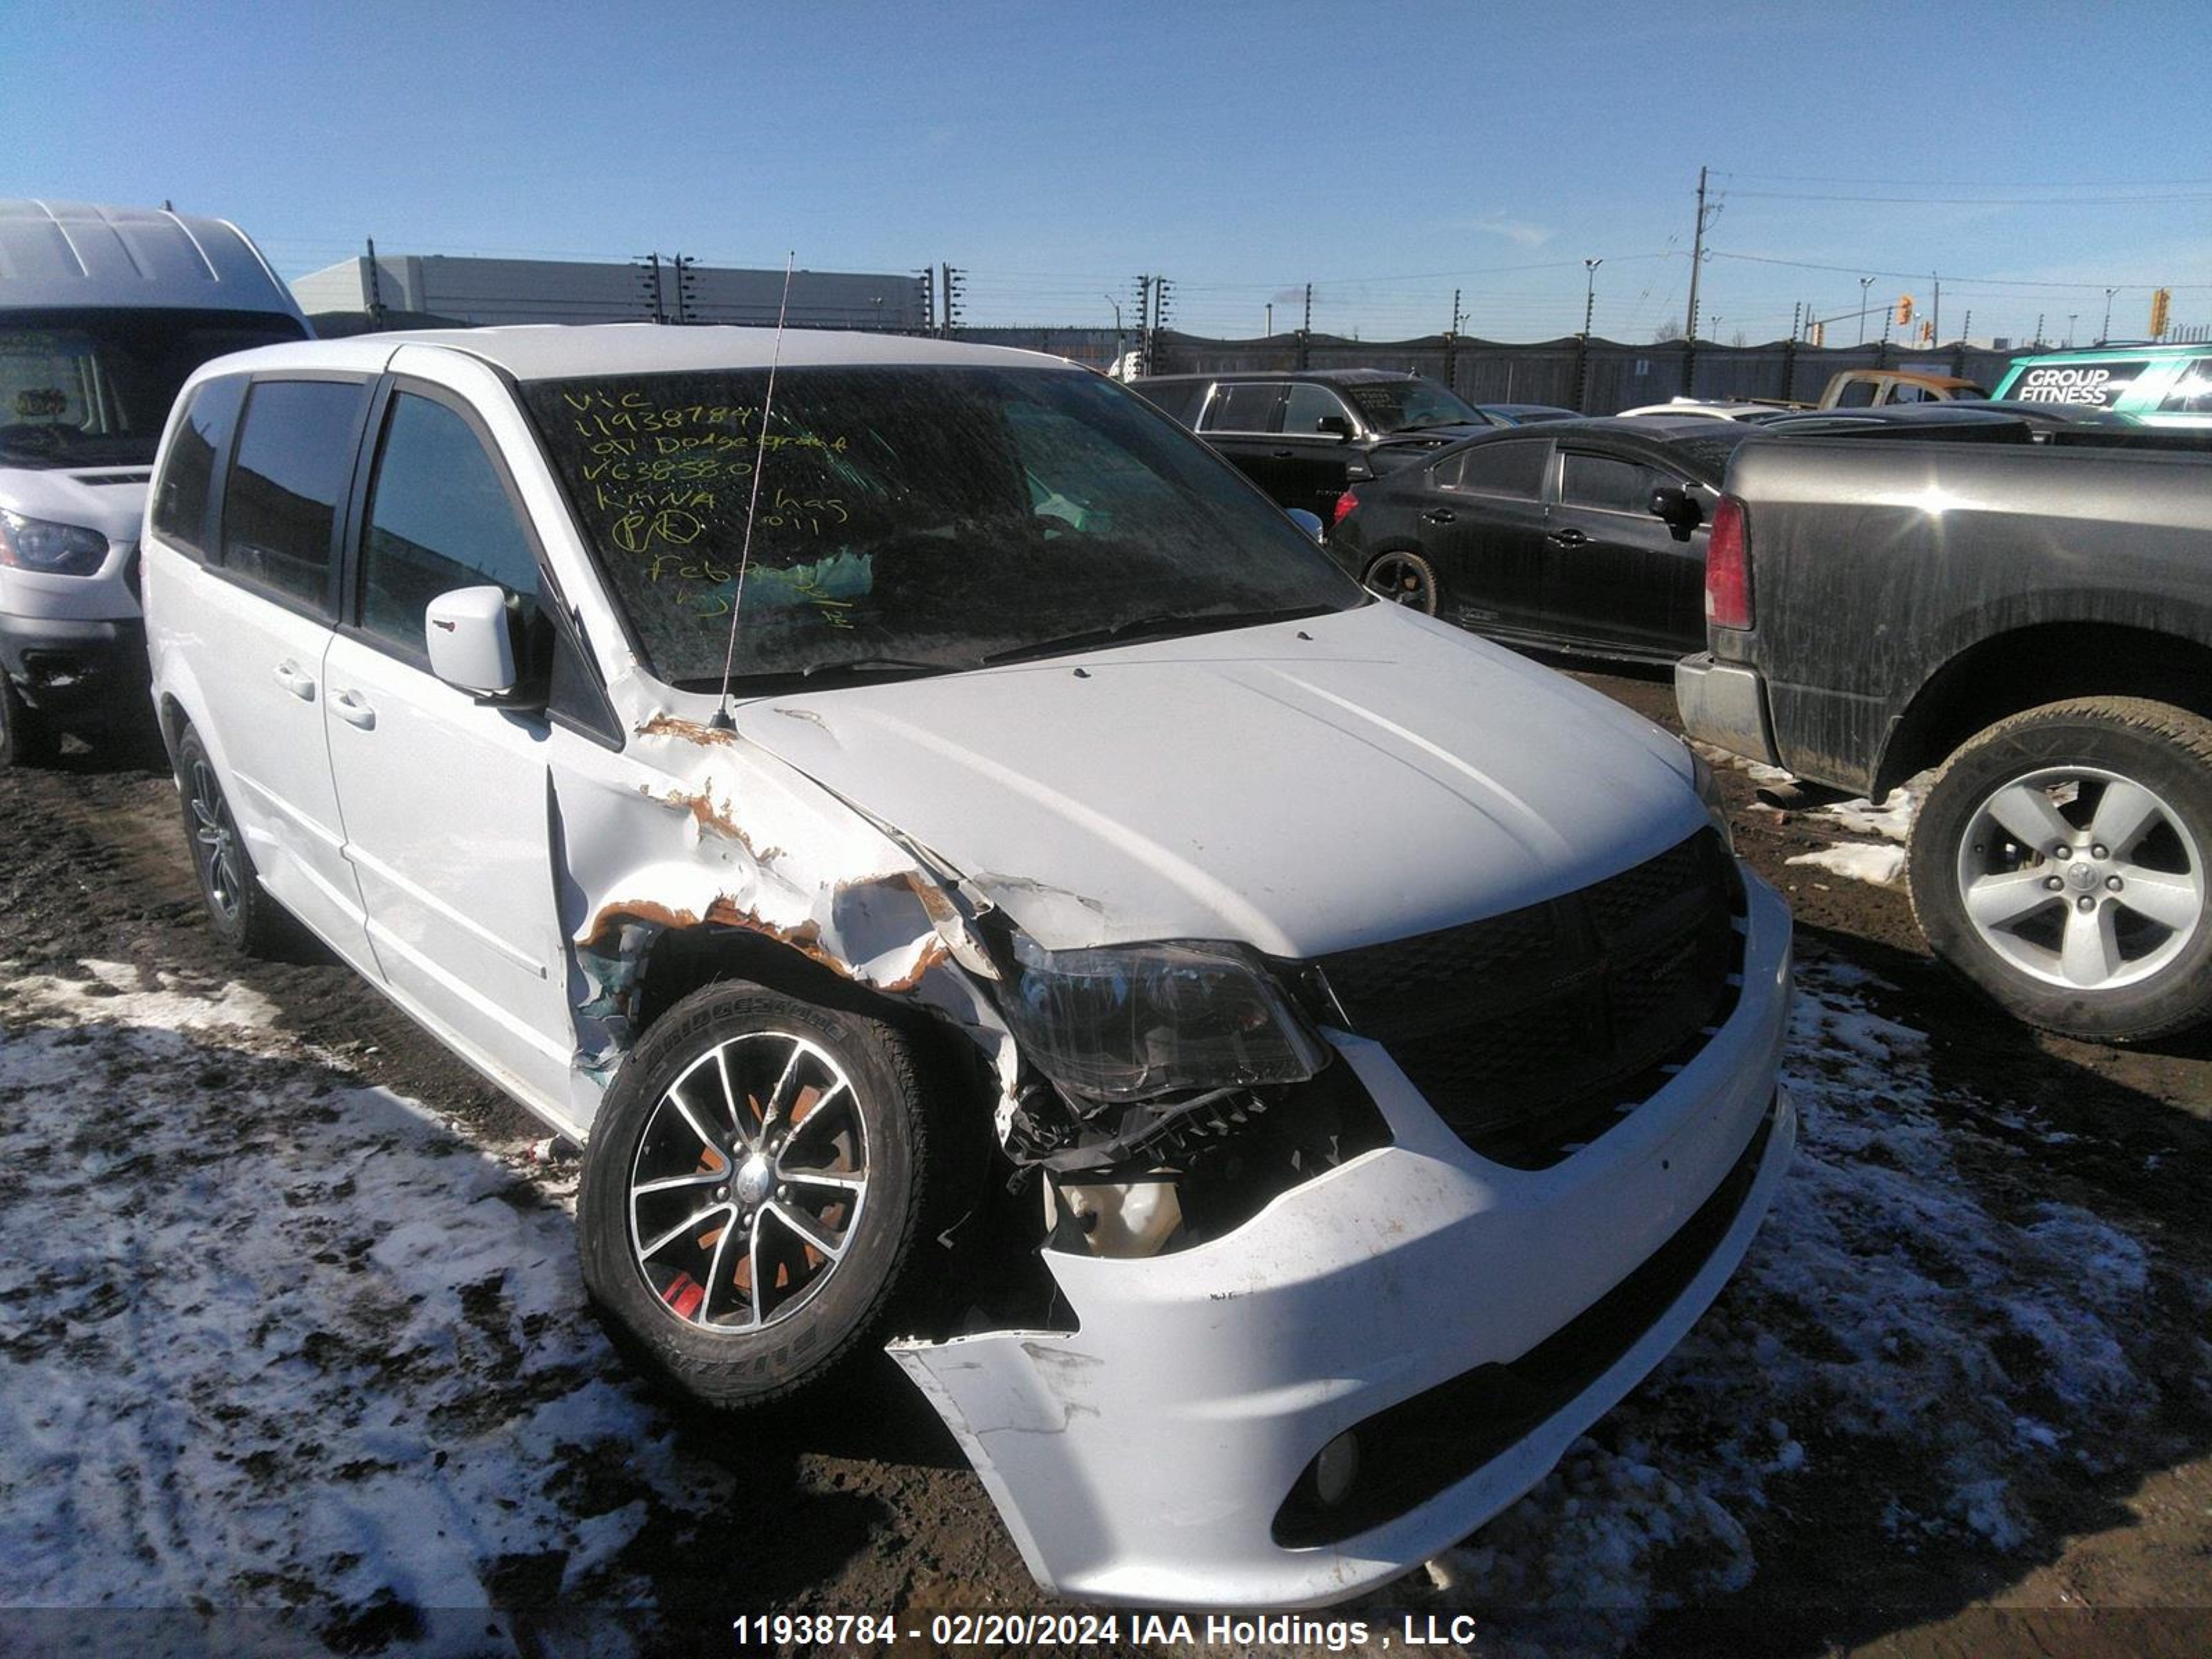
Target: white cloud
pixel 1518 231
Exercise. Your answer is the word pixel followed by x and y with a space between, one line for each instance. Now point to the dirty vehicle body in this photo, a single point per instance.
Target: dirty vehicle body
pixel 1330 1196
pixel 2031 618
pixel 103 312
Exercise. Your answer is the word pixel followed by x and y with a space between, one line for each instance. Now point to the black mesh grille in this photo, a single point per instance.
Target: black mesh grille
pixel 1533 1032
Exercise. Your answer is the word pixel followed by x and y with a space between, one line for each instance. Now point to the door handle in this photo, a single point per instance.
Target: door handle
pixel 1569 538
pixel 1282 454
pixel 1440 515
pixel 353 711
pixel 299 685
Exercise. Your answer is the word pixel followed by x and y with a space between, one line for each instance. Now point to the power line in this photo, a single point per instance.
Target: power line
pixel 1969 183
pixel 1916 275
pixel 1974 200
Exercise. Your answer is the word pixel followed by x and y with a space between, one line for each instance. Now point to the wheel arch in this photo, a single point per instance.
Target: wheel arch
pixel 2040 663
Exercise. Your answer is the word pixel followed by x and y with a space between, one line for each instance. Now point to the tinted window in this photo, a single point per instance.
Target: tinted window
pixel 1905 392
pixel 1307 403
pixel 294 457
pixel 1606 485
pixel 1179 398
pixel 1856 394
pixel 180 501
pixel 1497 468
pixel 1410 404
pixel 2192 392
pixel 439 517
pixel 1246 408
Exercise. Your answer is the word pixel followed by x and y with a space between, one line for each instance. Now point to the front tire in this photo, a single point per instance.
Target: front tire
pixel 754 1192
pixel 2063 861
pixel 26 739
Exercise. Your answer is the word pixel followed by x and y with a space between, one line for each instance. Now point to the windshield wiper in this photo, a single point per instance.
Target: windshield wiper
pixel 1164 626
pixel 857 667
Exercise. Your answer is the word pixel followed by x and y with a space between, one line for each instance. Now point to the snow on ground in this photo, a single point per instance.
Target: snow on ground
pixel 269 1337
pixel 1859 861
pixel 1887 1314
pixel 272 1339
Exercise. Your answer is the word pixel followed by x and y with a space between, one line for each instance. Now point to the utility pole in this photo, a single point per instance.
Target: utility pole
pixel 1865 282
pixel 1583 344
pixel 1935 312
pixel 375 291
pixel 1690 320
pixel 1270 334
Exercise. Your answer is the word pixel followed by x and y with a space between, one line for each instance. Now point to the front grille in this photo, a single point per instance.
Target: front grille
pixel 1533 1032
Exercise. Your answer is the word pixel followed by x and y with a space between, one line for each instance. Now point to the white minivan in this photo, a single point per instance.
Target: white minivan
pixel 1273 1067
pixel 103 311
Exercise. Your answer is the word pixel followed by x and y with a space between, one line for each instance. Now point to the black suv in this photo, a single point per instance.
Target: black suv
pixel 1304 436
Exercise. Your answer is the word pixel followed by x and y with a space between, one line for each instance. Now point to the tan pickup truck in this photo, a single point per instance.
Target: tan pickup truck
pixel 1870 388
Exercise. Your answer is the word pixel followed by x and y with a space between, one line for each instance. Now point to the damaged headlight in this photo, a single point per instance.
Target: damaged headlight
pixel 1125 1023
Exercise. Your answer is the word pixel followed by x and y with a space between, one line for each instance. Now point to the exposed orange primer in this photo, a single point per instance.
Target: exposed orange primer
pixel 806 938
pixel 675 726
pixel 709 816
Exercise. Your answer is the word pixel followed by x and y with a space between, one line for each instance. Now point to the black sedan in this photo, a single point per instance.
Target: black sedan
pixel 1581 536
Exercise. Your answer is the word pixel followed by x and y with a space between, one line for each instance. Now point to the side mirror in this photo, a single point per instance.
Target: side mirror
pixel 471 641
pixel 1677 510
pixel 1335 425
pixel 1305 520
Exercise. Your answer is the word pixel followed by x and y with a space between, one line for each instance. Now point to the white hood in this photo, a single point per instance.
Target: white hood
pixel 1301 787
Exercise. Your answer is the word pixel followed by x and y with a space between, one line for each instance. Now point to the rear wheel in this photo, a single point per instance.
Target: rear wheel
pixel 754 1190
pixel 1404 578
pixel 26 739
pixel 244 916
pixel 2062 862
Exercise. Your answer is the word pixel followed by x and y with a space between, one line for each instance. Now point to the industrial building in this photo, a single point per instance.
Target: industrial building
pixel 432 288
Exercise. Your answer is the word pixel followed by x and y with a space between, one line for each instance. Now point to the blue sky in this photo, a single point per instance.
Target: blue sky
pixel 1385 153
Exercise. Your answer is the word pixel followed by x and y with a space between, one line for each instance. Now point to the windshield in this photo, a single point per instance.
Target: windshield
pixel 912 520
pixel 1399 405
pixel 93 387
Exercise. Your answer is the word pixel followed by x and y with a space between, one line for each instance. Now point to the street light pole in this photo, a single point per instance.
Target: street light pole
pixel 1589 293
pixel 1865 282
pixel 1120 340
pixel 1271 320
pixel 2070 317
pixel 2106 333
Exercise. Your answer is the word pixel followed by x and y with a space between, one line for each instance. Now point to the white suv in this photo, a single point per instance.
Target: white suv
pixel 930 826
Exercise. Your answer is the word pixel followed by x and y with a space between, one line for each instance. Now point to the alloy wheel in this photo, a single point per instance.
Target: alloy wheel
pixel 749 1181
pixel 1403 579
pixel 2082 878
pixel 214 842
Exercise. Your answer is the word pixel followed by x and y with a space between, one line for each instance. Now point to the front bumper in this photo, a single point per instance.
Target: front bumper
pixel 1725 705
pixel 76 669
pixel 1144 1457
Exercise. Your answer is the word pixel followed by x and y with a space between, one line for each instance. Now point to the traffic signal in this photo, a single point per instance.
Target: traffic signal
pixel 2161 312
pixel 1927 331
pixel 1904 309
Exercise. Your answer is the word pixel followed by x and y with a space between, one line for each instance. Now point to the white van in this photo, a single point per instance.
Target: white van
pixel 103 311
pixel 930 826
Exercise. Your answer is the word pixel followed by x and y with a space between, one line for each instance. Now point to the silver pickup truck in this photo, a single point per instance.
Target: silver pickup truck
pixel 2037 622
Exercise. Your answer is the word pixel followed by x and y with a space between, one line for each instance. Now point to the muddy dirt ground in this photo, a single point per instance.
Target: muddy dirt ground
pixel 867 1505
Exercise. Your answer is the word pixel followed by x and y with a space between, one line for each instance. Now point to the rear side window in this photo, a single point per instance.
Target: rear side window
pixel 439 517
pixel 280 509
pixel 1856 394
pixel 1608 485
pixel 2192 392
pixel 1249 407
pixel 180 500
pixel 1514 469
pixel 1308 405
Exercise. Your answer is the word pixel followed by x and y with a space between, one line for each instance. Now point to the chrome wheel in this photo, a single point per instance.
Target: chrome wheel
pixel 1403 579
pixel 215 842
pixel 2082 878
pixel 749 1181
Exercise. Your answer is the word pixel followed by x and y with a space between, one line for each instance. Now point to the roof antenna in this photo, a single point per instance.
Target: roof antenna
pixel 721 721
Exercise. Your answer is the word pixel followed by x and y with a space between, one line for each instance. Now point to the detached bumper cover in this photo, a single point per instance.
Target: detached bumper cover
pixel 1146 1456
pixel 1725 706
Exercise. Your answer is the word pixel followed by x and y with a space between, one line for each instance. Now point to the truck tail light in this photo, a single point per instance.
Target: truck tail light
pixel 1345 503
pixel 1727 566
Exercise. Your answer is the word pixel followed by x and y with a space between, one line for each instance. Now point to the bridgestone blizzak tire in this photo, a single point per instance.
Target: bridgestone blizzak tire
pixel 25 738
pixel 2155 746
pixel 1426 597
pixel 815 1332
pixel 243 916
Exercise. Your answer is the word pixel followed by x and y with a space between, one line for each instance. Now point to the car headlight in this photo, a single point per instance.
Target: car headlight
pixel 1129 1022
pixel 61 549
pixel 1708 786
